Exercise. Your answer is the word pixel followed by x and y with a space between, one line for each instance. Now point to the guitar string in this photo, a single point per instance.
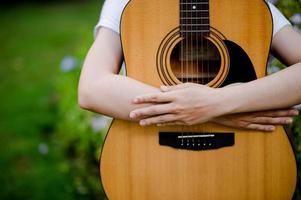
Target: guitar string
pixel 197 48
pixel 181 56
pixel 190 53
pixel 210 46
pixel 200 75
pixel 195 52
pixel 207 55
pixel 203 129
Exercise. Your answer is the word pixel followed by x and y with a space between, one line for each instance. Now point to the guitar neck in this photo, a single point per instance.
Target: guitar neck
pixel 194 17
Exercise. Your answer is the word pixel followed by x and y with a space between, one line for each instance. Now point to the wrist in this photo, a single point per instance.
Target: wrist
pixel 229 99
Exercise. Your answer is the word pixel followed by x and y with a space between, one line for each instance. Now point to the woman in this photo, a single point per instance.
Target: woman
pixel 257 105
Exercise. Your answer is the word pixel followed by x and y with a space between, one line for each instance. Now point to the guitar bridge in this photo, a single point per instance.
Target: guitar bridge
pixel 197 140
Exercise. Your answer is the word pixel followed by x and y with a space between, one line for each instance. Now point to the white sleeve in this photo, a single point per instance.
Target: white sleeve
pixel 110 15
pixel 279 21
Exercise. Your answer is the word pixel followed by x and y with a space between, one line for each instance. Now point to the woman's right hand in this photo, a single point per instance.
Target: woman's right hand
pixel 262 121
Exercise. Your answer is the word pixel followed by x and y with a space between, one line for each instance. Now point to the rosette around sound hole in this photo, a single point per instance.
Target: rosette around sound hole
pixel 195 59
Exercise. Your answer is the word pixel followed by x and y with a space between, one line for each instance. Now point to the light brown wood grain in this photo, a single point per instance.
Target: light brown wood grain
pixel 134 166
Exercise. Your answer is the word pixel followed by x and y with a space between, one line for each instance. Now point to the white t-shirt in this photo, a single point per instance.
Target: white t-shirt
pixel 112 9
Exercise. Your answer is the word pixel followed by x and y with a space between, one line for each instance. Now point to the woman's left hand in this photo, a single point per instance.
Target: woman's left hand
pixel 184 104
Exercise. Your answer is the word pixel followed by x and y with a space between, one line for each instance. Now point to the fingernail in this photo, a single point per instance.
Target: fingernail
pixel 288 121
pixel 295 112
pixel 164 88
pixel 135 100
pixel 142 123
pixel 271 128
pixel 132 115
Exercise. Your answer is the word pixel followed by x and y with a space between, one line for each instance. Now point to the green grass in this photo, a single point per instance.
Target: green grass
pixel 34 39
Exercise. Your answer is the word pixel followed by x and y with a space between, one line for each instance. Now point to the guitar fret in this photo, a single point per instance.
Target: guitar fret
pixel 194 3
pixel 195 24
pixel 194 10
pixel 194 14
pixel 194 31
pixel 194 17
pixel 194 6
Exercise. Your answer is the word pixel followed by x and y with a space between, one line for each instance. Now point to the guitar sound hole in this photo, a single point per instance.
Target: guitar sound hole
pixel 195 59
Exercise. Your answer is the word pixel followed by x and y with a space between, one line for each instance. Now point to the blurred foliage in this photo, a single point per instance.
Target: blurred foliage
pixel 49 147
pixel 14 3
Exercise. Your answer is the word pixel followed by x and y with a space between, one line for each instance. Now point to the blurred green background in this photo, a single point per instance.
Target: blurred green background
pixel 49 147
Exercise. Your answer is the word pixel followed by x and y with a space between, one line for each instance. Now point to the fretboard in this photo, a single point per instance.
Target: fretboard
pixel 194 17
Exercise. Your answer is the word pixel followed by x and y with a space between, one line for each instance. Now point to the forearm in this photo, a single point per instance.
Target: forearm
pixel 101 89
pixel 278 90
pixel 112 95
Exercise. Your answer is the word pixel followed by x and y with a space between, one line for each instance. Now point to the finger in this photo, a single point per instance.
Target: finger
pixel 233 84
pixel 165 88
pixel 161 119
pixel 151 110
pixel 272 120
pixel 279 113
pixel 171 123
pixel 260 127
pixel 153 98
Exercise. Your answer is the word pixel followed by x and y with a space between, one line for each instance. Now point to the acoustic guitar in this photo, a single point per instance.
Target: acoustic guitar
pixel 210 42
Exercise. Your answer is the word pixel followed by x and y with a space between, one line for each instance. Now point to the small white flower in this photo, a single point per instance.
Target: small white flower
pixel 296 18
pixel 273 1
pixel 68 63
pixel 81 189
pixel 273 69
pixel 43 148
pixel 100 122
pixel 298 107
pixel 271 60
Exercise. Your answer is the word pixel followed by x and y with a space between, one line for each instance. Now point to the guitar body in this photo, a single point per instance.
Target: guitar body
pixel 205 161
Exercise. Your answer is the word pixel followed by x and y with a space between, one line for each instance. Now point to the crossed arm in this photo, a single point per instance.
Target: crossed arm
pixel 102 90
